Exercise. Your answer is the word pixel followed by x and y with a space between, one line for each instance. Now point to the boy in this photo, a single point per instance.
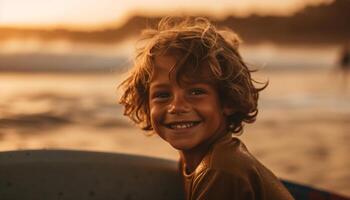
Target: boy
pixel 190 86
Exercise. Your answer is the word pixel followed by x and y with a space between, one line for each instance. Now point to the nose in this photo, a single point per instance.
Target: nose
pixel 179 104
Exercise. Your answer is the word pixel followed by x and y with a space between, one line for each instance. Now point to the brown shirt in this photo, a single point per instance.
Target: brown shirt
pixel 230 172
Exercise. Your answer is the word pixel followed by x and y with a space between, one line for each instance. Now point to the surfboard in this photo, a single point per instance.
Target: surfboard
pixel 303 192
pixel 81 175
pixel 72 175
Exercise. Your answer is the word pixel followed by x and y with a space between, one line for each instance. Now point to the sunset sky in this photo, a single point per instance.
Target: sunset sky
pixel 98 13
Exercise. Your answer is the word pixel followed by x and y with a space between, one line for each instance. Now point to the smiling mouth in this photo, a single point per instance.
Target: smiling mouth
pixel 182 125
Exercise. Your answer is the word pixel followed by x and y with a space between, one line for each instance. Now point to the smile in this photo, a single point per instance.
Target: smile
pixel 182 125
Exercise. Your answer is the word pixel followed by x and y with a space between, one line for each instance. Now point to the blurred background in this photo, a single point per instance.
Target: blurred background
pixel 61 62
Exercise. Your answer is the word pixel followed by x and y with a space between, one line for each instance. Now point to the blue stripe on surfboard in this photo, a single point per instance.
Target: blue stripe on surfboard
pixel 302 192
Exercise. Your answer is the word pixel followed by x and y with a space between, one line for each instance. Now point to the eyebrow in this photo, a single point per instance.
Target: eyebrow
pixel 166 85
pixel 160 85
pixel 198 81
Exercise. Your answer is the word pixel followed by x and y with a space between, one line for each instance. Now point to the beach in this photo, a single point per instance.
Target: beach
pixel 301 133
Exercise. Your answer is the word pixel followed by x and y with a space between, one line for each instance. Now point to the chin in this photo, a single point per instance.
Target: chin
pixel 181 146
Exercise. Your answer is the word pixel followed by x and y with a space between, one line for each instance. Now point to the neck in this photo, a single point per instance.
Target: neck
pixel 192 158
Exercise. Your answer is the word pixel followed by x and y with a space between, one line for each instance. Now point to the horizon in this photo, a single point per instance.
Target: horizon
pixel 110 13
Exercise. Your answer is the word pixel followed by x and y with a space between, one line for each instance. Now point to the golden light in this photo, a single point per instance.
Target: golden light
pixel 94 14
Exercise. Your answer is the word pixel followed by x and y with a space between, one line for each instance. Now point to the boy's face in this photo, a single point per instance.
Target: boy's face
pixel 187 115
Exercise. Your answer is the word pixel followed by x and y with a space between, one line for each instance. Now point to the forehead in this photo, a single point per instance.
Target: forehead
pixel 163 64
pixel 166 67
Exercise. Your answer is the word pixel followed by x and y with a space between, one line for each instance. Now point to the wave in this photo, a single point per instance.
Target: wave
pixel 53 110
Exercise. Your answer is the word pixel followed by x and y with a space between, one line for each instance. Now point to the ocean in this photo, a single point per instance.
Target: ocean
pixel 50 84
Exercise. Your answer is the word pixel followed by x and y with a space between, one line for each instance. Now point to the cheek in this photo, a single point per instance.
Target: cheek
pixel 208 106
pixel 211 111
pixel 155 115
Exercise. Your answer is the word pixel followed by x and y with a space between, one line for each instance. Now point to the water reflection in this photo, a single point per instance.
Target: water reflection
pixel 37 54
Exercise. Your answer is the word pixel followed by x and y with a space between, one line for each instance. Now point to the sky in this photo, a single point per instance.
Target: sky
pixel 92 14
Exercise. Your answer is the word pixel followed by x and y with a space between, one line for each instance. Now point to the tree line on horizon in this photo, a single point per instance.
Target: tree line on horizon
pixel 325 24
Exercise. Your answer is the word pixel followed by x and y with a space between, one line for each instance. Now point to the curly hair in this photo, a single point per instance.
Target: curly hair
pixel 199 44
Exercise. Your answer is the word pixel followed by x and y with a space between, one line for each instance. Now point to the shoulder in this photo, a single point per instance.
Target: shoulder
pixel 226 171
pixel 231 156
pixel 229 167
pixel 217 184
pixel 214 184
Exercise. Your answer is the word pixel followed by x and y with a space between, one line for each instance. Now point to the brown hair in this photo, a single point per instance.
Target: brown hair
pixel 197 41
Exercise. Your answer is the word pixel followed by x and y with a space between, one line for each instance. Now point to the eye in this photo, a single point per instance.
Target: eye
pixel 161 95
pixel 197 91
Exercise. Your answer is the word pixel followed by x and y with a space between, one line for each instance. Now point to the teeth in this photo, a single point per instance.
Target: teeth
pixel 182 125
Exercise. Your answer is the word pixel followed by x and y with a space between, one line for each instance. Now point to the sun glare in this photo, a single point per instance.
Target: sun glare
pixel 92 14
